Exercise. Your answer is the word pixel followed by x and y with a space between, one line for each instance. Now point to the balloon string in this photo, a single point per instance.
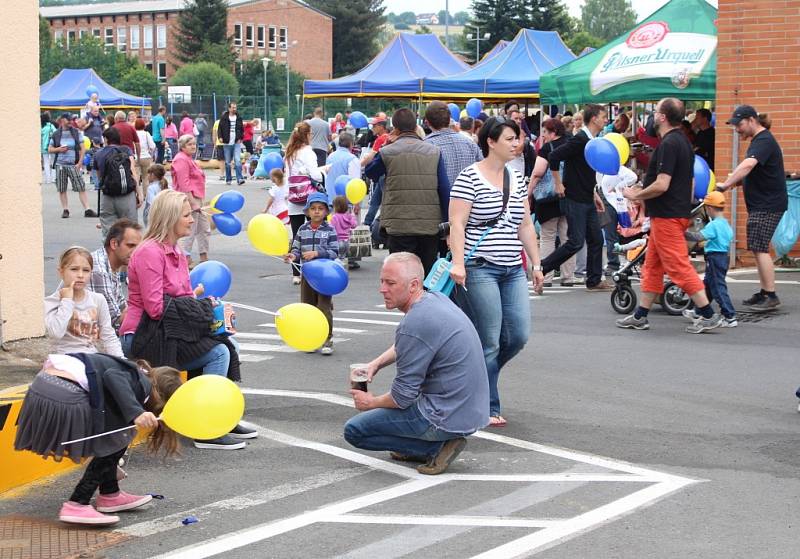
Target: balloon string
pixel 102 434
pixel 294 264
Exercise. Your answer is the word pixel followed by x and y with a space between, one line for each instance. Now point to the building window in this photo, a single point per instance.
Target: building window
pixel 149 66
pixel 261 32
pixel 147 36
pixel 58 35
pixel 272 38
pixel 70 38
pixel 162 71
pixel 96 32
pixel 109 37
pixel 82 33
pixel 249 36
pixel 134 37
pixel 237 35
pixel 283 38
pixel 122 39
pixel 161 31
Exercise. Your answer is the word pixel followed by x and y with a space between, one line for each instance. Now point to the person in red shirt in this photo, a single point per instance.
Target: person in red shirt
pixel 247 139
pixel 127 133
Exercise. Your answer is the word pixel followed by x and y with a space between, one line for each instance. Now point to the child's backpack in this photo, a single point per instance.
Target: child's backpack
pixel 117 174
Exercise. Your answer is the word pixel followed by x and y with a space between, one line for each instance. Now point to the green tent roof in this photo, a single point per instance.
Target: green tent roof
pixel 672 53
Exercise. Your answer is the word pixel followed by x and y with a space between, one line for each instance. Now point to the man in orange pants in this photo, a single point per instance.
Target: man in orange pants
pixel 667 194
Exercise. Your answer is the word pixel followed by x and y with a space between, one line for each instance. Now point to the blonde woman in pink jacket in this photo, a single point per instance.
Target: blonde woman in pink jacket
pixel 188 177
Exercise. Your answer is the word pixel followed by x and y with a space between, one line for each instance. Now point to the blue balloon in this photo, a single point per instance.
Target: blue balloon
pixel 340 185
pixel 229 202
pixel 474 107
pixel 455 112
pixel 602 156
pixel 702 176
pixel 270 160
pixel 623 219
pixel 325 276
pixel 227 224
pixel 358 120
pixel 91 90
pixel 215 277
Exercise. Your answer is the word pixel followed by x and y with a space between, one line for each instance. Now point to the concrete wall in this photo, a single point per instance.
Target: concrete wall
pixel 21 243
pixel 758 64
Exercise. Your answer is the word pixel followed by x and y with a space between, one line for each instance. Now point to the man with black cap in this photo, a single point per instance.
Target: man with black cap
pixel 765 196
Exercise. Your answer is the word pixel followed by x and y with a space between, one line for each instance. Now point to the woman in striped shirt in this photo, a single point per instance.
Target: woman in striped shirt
pixel 495 294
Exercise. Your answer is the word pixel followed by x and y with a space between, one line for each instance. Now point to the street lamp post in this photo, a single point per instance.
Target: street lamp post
pixel 288 102
pixel 477 38
pixel 297 98
pixel 267 111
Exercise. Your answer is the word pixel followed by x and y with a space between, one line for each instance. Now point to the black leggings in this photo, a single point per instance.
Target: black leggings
pixel 101 472
pixel 296 221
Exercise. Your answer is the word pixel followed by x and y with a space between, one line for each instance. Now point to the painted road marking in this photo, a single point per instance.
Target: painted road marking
pixel 335 329
pixel 385 313
pixel 549 532
pixel 364 321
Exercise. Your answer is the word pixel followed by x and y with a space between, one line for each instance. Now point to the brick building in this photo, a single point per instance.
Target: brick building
pixel 758 64
pixel 146 29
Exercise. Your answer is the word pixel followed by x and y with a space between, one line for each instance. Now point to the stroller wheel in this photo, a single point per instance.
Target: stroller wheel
pixel 674 299
pixel 623 299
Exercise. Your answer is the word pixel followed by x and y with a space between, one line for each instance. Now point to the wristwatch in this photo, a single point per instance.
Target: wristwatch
pixel 536 267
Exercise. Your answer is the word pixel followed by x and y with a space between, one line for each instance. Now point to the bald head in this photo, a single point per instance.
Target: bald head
pixel 119 116
pixel 409 265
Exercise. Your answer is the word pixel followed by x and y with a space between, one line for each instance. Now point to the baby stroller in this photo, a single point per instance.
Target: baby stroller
pixel 674 300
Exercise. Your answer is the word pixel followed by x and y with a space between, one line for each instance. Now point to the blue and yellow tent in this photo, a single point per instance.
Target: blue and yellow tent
pixel 68 91
pixel 397 71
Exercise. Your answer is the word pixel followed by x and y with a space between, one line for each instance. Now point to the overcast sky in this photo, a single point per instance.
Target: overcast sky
pixel 643 7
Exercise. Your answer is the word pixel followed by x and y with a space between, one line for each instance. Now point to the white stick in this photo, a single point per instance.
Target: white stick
pixel 101 434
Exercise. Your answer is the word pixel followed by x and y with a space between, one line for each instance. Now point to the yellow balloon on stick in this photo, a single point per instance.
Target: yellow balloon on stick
pixel 212 205
pixel 205 407
pixel 622 145
pixel 302 326
pixel 356 189
pixel 712 182
pixel 268 234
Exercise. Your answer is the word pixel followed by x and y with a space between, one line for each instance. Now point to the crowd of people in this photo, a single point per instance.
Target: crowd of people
pixel 487 198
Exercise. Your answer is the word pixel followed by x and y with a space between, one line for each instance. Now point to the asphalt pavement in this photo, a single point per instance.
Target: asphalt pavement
pixel 625 444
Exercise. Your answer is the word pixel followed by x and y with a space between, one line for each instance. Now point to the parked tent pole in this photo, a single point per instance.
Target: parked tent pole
pixel 214 102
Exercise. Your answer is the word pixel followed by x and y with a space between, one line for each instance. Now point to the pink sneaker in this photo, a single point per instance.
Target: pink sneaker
pixel 75 513
pixel 116 502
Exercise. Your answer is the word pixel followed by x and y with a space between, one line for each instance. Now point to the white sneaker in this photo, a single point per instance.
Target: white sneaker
pixel 729 323
pixel 691 314
pixel 296 280
pixel 327 349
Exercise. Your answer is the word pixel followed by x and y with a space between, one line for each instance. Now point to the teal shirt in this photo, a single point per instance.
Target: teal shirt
pixel 158 125
pixel 718 235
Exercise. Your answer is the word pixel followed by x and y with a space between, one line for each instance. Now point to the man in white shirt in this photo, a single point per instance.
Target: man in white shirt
pixel 611 187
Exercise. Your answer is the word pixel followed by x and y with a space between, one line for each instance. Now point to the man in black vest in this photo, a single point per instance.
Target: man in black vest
pixel 231 132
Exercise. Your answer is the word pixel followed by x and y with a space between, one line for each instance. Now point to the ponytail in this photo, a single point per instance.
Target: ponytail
pixel 764 120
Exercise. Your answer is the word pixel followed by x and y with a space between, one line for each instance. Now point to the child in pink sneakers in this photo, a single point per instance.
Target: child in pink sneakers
pixel 83 394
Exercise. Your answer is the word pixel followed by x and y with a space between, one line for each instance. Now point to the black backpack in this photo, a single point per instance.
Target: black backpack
pixel 76 138
pixel 117 175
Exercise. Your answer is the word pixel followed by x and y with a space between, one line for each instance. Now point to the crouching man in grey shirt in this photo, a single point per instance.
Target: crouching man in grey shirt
pixel 441 391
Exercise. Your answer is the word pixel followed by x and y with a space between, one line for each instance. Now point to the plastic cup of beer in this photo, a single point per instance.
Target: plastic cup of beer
pixel 358 376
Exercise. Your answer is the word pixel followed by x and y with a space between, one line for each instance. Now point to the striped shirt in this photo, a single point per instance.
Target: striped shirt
pixel 502 245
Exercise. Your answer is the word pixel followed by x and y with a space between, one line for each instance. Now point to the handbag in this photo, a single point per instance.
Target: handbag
pixel 439 279
pixel 300 188
pixel 545 190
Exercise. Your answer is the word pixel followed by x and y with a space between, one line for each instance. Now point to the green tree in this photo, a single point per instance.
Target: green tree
pixel 201 23
pixel 87 52
pixel 546 15
pixel 460 18
pixel 409 18
pixel 206 78
pixel 391 18
pixel 580 40
pixel 139 81
pixel 219 54
pixel 45 40
pixel 356 28
pixel 250 75
pixel 443 17
pixel 501 19
pixel 607 19
pixel 422 30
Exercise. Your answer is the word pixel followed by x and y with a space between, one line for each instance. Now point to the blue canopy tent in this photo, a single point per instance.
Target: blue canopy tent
pixel 512 73
pixel 497 49
pixel 397 71
pixel 68 91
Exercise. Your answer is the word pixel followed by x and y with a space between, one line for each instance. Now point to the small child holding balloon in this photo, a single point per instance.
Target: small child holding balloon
pixel 82 394
pixel 316 238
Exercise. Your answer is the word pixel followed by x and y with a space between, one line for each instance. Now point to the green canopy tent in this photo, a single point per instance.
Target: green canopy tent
pixel 672 53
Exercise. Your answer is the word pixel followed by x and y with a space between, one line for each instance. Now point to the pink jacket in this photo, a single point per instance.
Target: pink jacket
pixel 171 131
pixel 187 126
pixel 343 223
pixel 155 269
pixel 188 177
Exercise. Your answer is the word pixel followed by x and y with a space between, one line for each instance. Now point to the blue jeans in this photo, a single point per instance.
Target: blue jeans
pixel 233 152
pixel 611 236
pixel 716 270
pixel 215 362
pixel 404 431
pixel 583 226
pixel 496 301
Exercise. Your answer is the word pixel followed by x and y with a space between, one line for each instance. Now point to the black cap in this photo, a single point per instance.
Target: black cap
pixel 742 112
pixel 68 116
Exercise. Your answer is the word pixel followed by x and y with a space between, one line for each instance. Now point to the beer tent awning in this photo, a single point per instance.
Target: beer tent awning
pixel 397 71
pixel 67 90
pixel 511 73
pixel 672 53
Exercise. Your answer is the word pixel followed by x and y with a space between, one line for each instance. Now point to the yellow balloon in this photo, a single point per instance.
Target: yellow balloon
pixel 622 145
pixel 205 407
pixel 268 234
pixel 212 205
pixel 328 218
pixel 302 326
pixel 87 143
pixel 712 183
pixel 463 113
pixel 356 189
